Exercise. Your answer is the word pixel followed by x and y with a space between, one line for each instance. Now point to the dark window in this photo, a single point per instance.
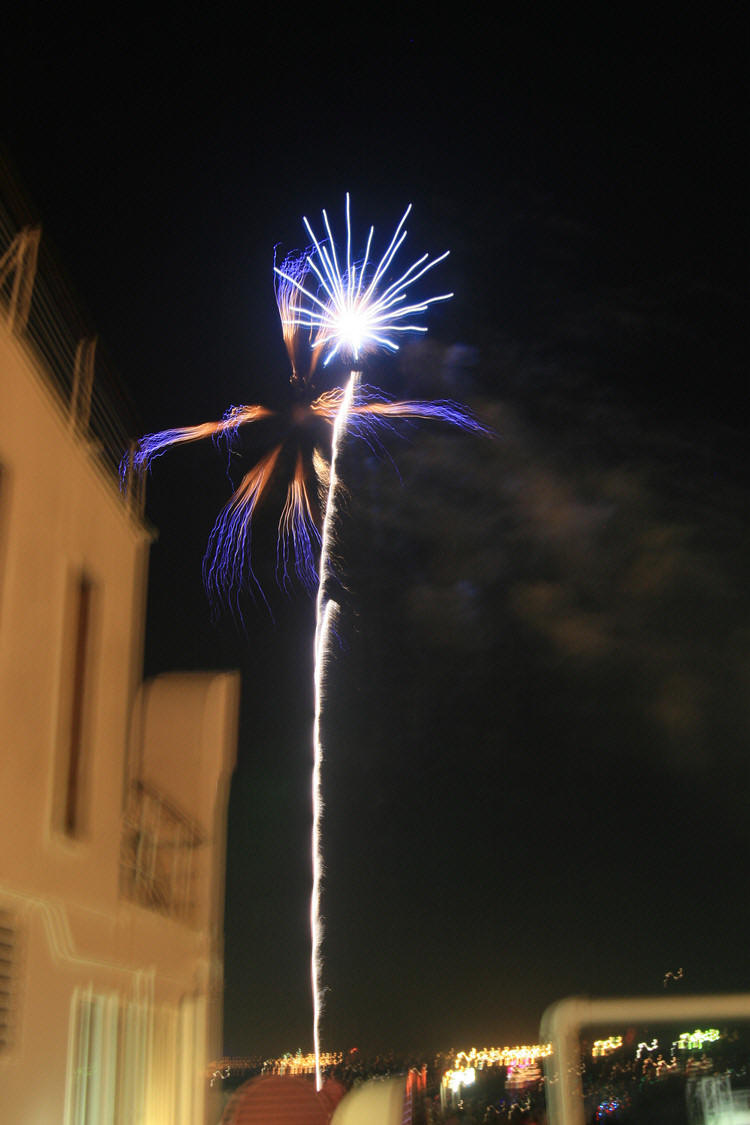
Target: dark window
pixel 70 786
pixel 7 960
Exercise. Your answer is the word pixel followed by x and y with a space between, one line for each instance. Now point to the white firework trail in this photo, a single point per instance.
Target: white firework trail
pixel 325 613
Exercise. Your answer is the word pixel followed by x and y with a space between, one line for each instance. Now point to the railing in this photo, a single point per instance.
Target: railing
pixel 36 303
pixel 157 854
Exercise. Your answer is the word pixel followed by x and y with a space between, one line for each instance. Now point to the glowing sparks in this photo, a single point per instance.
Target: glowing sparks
pixel 301 453
pixel 355 308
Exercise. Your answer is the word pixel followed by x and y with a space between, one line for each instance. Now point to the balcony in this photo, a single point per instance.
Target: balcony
pixel 158 854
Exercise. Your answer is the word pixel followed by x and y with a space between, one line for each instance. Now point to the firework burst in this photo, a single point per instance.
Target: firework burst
pixel 352 312
pixel 355 309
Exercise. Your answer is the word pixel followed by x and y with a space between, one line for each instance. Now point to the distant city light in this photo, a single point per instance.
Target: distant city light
pixel 300 1063
pixel 477 1059
pixel 694 1040
pixel 455 1079
pixel 521 1063
pixel 607 1109
pixel 603 1047
pixel 297 1062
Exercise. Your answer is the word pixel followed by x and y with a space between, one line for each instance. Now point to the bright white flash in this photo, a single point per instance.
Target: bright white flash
pixel 355 307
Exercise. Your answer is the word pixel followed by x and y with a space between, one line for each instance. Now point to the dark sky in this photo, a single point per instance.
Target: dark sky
pixel 537 718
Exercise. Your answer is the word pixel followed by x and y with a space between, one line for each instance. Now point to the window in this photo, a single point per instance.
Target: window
pixel 70 786
pixel 3 528
pixel 92 1059
pixel 127 1063
pixel 7 974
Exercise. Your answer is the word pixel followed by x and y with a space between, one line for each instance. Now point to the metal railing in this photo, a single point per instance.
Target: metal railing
pixel 157 854
pixel 37 306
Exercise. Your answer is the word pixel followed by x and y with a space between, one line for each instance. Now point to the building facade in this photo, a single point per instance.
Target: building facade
pixel 113 792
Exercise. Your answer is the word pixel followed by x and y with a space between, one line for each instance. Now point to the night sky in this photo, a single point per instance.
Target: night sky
pixel 537 716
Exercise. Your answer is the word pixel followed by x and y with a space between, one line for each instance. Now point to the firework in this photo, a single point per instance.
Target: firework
pixel 353 312
pixel 355 308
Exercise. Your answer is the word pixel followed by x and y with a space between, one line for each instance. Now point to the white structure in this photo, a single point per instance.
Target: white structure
pixel 113 793
pixel 562 1023
pixel 379 1101
pixel 714 1102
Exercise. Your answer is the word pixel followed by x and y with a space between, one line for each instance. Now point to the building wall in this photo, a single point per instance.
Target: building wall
pixel 112 807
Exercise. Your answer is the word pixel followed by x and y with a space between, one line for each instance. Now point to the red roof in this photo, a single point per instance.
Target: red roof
pixel 275 1100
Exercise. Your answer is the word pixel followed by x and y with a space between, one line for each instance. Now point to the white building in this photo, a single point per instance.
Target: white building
pixel 113 793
